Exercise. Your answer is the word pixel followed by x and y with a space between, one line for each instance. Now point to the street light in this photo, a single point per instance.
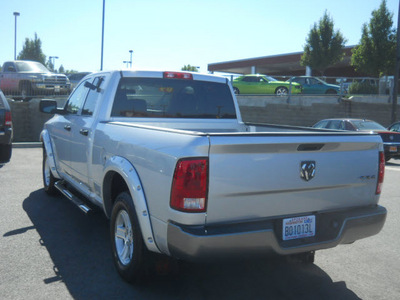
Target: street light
pixel 131 51
pixel 54 61
pixel 102 36
pixel 16 14
pixel 127 62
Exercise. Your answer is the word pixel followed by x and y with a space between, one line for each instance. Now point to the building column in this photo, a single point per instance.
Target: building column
pixel 253 70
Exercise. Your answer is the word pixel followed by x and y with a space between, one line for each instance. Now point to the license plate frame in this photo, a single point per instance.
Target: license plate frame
pixel 298 227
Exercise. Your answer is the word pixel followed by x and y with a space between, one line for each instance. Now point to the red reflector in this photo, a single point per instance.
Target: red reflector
pixel 381 173
pixel 177 75
pixel 190 185
pixel 8 119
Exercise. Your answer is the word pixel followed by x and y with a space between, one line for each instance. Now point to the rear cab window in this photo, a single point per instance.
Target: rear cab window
pixel 172 98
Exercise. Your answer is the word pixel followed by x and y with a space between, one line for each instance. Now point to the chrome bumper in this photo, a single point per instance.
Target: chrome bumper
pixel 265 237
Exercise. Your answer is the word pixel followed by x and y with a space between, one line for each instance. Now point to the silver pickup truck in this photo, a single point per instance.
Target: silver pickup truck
pixel 168 158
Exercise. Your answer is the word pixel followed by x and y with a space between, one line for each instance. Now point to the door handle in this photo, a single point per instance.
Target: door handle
pixel 67 127
pixel 84 132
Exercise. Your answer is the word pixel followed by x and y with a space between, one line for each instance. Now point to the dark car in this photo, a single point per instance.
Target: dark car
pixel 391 140
pixel 6 132
pixel 395 127
pixel 75 78
pixel 314 85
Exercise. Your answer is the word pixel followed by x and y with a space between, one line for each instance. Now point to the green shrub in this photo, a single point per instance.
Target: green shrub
pixel 363 88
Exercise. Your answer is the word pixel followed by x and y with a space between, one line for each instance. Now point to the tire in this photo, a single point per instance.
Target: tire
pixel 5 153
pixel 126 240
pixel 281 91
pixel 236 91
pixel 48 179
pixel 303 258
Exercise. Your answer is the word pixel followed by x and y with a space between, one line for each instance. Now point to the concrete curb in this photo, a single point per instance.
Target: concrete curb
pixel 27 145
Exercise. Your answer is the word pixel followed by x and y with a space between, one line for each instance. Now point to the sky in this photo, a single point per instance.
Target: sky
pixel 168 34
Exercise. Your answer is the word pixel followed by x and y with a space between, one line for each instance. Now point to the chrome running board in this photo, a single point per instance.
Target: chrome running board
pixel 61 186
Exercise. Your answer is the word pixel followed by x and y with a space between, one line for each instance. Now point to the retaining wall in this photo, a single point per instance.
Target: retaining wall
pixel 296 110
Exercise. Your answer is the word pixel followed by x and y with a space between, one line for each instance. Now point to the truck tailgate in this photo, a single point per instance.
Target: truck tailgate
pixel 258 176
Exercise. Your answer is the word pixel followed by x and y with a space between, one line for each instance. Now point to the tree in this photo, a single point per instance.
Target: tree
pixel 32 50
pixel 190 68
pixel 376 53
pixel 324 46
pixel 61 69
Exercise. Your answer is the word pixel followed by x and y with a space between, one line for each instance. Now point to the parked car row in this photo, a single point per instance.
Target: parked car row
pixel 263 84
pixel 390 136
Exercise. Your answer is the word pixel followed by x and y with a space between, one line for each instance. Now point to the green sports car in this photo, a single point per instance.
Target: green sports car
pixel 262 84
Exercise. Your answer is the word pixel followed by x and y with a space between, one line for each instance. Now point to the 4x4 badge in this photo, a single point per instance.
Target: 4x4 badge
pixel 307 170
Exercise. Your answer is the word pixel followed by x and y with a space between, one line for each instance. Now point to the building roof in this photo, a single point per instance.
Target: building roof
pixel 282 64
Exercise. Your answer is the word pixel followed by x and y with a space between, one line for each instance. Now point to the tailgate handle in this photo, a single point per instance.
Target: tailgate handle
pixel 310 147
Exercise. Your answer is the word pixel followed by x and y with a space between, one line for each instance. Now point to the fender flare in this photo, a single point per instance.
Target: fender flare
pixel 128 172
pixel 45 139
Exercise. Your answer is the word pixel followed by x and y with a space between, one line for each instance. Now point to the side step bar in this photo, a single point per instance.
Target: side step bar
pixel 60 185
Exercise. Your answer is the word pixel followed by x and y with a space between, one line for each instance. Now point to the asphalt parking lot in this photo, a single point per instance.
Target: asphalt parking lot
pixel 50 250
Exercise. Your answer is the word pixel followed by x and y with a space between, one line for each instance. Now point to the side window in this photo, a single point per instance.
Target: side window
pixel 91 99
pixel 348 126
pixel 9 67
pixel 76 100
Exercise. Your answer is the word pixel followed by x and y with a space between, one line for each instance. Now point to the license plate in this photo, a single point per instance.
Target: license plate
pixel 298 227
pixel 393 149
pixel 57 88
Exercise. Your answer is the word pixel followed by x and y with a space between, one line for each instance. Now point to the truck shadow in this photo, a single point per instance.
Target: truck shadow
pixel 80 250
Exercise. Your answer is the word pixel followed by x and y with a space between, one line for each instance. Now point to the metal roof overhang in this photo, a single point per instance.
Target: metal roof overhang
pixel 283 64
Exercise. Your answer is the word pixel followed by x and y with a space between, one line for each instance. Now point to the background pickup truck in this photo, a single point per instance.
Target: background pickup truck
pixel 24 79
pixel 169 160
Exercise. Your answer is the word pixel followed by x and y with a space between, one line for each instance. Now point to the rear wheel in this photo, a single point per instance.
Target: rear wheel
pixel 126 239
pixel 305 258
pixel 281 91
pixel 48 179
pixel 5 153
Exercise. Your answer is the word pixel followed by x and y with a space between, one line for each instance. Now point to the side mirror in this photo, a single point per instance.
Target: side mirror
pixel 48 106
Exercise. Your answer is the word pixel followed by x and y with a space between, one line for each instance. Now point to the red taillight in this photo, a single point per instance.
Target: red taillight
pixel 7 120
pixel 381 173
pixel 178 75
pixel 190 185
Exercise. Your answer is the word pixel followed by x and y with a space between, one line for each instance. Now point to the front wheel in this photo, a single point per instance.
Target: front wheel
pixel 126 239
pixel 236 91
pixel 281 91
pixel 48 179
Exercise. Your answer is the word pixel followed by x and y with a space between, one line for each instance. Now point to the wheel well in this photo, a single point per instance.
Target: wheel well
pixel 330 91
pixel 113 185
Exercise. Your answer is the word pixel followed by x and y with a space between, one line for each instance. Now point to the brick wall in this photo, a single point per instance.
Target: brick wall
pixel 298 110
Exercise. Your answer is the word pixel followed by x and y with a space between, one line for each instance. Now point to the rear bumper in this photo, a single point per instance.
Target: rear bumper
pixel 265 237
pixel 391 149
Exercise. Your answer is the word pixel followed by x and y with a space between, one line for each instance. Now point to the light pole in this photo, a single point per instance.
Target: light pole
pixel 127 62
pixel 131 51
pixel 54 61
pixel 16 14
pixel 102 36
